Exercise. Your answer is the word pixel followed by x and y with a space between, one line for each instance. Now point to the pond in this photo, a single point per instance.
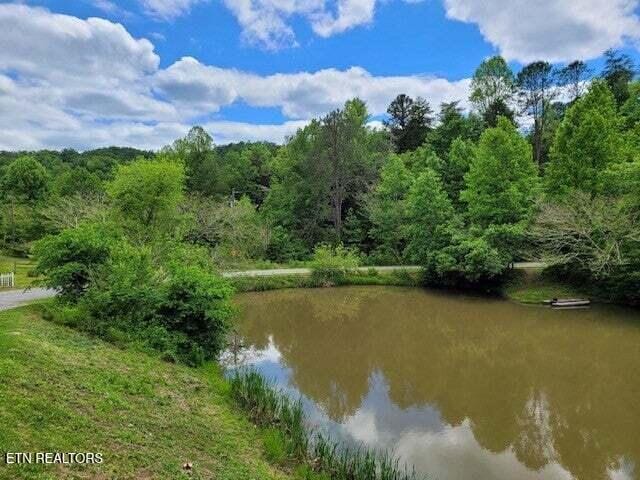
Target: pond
pixel 460 387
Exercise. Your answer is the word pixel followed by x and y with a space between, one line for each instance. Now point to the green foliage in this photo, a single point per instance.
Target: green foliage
pixel 25 180
pixel 461 155
pixel 618 72
pixel 588 141
pixel 422 159
pixel 274 446
pixel 197 303
pixel 594 239
pixel 234 231
pixel 331 264
pixel 325 168
pixel 501 184
pixel 470 261
pixel 171 303
pixel 438 240
pixel 69 260
pixel 492 88
pixel 145 195
pixel 387 211
pixel 536 92
pixel 452 124
pixel 409 122
pixel 77 181
pixel 431 219
pixel 202 166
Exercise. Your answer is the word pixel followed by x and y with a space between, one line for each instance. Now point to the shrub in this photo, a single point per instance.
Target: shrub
pixel 196 302
pixel 171 303
pixel 330 265
pixel 68 260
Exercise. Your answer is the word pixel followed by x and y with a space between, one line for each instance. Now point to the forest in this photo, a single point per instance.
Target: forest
pixel 545 167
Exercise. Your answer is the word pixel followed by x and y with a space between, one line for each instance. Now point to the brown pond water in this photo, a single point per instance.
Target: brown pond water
pixel 460 387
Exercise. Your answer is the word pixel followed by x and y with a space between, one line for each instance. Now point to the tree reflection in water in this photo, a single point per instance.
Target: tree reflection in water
pixel 460 386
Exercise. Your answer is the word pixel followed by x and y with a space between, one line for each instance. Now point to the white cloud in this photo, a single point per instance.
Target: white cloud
pixel 168 9
pixel 554 30
pixel 350 13
pixel 192 86
pixel 41 44
pixel 230 132
pixel 266 22
pixel 69 82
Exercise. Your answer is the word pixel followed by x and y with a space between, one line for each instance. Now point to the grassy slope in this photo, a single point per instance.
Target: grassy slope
pixel 62 391
pixel 531 286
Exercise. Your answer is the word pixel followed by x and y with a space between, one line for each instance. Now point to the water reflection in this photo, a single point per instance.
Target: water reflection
pixel 461 387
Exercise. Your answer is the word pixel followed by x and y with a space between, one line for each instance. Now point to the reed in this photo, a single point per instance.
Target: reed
pixel 269 407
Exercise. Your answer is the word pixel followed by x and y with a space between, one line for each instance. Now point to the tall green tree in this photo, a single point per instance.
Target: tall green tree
pixel 618 72
pixel 409 122
pixel 461 155
pixel 146 195
pixel 452 124
pixel 25 180
pixel 492 90
pixel 431 219
pixel 202 166
pixel 387 211
pixel 502 181
pixel 24 185
pixel 323 173
pixel 76 181
pixel 588 141
pixel 574 78
pixel 536 82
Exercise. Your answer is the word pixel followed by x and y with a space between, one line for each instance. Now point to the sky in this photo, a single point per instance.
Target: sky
pixel 91 73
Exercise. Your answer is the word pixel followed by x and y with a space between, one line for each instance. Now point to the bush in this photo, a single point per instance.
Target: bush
pixel 330 265
pixel 197 303
pixel 68 260
pixel 172 304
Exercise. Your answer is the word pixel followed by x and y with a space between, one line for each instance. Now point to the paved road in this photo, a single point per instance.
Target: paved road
pixel 15 298
pixel 527 265
pixel 307 271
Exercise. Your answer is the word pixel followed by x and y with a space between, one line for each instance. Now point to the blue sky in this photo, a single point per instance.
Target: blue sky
pixel 87 73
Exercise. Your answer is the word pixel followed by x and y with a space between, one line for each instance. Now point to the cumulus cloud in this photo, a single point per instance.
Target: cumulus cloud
pixel 69 82
pixel 554 30
pixel 38 43
pixel 193 86
pixel 266 22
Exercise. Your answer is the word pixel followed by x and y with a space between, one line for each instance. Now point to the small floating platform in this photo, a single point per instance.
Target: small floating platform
pixel 568 302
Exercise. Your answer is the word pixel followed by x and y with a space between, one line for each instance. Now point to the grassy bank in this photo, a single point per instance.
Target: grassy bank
pixel 293 440
pixel 64 392
pixel 371 277
pixel 533 286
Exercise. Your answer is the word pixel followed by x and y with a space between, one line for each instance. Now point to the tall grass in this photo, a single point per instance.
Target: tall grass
pixel 270 408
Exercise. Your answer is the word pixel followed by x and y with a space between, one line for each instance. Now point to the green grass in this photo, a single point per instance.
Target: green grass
pixel 62 391
pixel 532 286
pixel 21 266
pixel 279 282
pixel 291 439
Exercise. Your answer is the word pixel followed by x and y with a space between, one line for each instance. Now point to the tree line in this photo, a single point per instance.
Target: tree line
pixel 463 194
